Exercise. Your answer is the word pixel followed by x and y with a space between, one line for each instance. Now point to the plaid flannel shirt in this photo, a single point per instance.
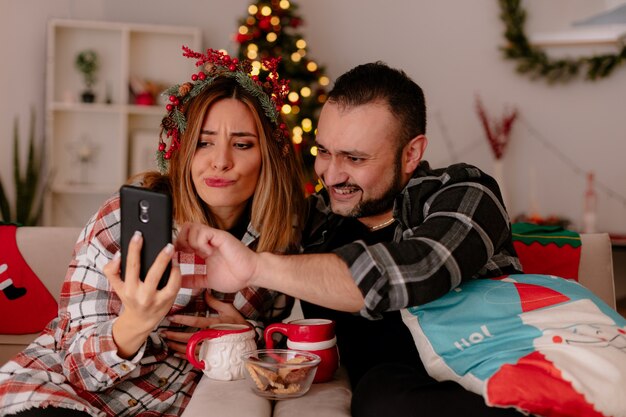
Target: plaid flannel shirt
pixel 451 226
pixel 74 363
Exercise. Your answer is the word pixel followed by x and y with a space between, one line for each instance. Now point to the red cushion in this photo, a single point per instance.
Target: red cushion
pixel 548 250
pixel 26 305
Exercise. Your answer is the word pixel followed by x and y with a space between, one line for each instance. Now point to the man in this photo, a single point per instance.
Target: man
pixel 387 233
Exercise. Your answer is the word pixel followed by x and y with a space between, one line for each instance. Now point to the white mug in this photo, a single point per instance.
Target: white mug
pixel 221 347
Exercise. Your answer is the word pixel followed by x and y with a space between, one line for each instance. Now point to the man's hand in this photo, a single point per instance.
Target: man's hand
pixel 322 279
pixel 230 265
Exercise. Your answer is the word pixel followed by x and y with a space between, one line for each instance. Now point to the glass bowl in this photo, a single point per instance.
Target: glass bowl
pixel 279 374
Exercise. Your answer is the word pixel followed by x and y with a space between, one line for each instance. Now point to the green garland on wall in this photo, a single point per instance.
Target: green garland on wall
pixel 534 62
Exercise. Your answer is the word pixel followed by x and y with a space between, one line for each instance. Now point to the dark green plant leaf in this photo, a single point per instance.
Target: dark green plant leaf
pixel 32 172
pixel 28 204
pixel 5 209
pixel 17 170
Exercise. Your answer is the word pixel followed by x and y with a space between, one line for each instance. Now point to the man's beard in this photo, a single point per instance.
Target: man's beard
pixel 375 206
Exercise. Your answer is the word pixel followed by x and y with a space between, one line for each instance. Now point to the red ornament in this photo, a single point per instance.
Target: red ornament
pixel 169 107
pixel 172 98
pixel 265 23
pixel 202 76
pixel 161 146
pixel 144 99
pixel 309 188
pixel 194 77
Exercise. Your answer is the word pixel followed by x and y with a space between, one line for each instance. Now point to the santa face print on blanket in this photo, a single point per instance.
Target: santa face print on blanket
pixel 539 343
pixel 580 359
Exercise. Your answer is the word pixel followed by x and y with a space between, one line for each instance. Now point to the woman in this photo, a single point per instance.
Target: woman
pixel 116 347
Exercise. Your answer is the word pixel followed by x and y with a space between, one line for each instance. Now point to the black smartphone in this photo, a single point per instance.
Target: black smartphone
pixel 149 212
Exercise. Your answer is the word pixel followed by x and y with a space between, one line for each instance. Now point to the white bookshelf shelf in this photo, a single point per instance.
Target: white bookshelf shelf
pixel 103 133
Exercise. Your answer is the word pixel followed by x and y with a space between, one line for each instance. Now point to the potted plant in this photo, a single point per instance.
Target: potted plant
pixel 29 185
pixel 87 64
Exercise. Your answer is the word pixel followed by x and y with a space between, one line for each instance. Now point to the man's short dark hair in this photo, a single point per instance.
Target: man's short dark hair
pixel 377 82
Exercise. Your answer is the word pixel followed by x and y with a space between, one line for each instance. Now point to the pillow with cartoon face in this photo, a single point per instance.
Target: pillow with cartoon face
pixel 539 343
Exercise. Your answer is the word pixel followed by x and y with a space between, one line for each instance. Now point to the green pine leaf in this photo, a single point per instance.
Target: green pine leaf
pixel 534 62
pixel 173 90
pixel 161 162
pixel 180 120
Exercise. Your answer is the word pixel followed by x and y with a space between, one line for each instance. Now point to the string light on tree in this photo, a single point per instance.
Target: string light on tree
pixel 271 30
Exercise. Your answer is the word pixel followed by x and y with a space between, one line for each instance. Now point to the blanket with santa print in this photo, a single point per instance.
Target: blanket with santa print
pixel 539 343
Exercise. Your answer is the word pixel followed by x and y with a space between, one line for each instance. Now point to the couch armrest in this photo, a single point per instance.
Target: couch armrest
pixel 595 270
pixel 48 251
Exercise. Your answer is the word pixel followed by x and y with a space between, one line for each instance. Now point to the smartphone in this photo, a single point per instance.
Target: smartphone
pixel 149 212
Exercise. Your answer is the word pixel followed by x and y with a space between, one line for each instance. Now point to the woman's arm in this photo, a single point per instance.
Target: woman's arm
pixel 144 305
pixel 89 309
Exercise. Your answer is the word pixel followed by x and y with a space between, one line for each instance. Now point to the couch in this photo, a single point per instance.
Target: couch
pixel 48 250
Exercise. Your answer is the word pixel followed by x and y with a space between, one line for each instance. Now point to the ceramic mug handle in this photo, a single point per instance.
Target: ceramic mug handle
pixel 282 328
pixel 203 335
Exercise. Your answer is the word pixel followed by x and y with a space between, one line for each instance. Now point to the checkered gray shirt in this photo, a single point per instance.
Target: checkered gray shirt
pixel 451 226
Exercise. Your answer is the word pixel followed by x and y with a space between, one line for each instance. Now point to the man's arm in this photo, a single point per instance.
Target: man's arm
pixel 455 228
pixel 459 230
pixel 322 279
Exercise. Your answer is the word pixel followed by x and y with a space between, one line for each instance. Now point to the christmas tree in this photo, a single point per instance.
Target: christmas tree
pixel 271 30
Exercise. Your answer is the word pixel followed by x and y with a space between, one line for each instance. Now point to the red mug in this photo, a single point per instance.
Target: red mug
pixel 312 335
pixel 221 346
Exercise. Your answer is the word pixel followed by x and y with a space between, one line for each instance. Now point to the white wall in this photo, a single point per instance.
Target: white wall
pixel 449 47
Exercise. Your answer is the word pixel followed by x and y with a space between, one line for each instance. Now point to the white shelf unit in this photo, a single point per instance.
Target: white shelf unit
pixel 111 127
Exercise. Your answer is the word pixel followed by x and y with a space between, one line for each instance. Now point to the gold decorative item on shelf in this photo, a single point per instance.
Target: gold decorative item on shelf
pixel 83 152
pixel 87 63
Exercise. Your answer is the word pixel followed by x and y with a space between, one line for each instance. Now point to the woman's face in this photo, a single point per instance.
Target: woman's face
pixel 227 163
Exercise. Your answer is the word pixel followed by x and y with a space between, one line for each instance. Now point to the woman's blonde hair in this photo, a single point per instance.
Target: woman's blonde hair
pixel 277 206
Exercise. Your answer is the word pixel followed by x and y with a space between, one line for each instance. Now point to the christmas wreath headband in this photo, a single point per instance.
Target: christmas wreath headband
pixel 270 92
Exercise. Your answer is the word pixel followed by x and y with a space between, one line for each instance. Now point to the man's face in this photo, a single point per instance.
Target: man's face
pixel 358 159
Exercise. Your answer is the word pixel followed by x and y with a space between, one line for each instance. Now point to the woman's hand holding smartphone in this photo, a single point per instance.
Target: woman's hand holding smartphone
pixel 150 213
pixel 145 298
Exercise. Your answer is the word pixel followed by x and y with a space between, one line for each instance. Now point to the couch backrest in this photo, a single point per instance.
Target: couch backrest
pixel 595 270
pixel 48 251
